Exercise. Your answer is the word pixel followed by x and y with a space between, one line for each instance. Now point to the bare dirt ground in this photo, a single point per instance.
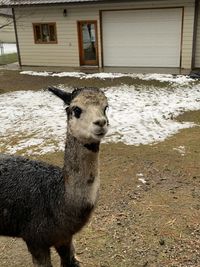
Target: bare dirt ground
pixel 156 224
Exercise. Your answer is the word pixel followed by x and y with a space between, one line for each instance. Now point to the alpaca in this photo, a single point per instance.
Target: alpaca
pixel 46 205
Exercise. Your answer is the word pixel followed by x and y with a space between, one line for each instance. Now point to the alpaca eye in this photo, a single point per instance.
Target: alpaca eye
pixel 77 112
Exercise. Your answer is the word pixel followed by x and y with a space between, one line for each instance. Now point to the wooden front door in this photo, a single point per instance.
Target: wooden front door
pixel 88 44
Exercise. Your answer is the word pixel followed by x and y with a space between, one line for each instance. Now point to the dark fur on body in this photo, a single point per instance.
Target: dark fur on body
pixel 30 194
pixel 46 205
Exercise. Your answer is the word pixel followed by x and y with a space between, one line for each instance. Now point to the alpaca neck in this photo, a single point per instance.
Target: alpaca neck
pixel 81 169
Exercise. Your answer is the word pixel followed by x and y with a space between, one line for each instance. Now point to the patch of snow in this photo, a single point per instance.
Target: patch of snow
pixel 141 178
pixel 8 49
pixel 36 121
pixel 178 79
pixel 24 144
pixel 53 74
pixel 139 174
pixel 38 118
pixel 145 116
pixel 181 150
pixel 35 73
pixel 109 75
pixel 69 74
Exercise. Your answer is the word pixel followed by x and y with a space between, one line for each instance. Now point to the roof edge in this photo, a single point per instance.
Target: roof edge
pixel 50 4
pixel 72 3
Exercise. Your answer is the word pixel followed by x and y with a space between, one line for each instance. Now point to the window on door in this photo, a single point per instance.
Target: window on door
pixel 45 33
pixel 88 44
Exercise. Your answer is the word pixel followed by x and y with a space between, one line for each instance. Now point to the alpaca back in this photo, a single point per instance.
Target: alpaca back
pixel 29 193
pixel 35 199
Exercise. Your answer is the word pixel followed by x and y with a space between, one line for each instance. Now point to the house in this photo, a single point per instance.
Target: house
pixel 7 32
pixel 137 33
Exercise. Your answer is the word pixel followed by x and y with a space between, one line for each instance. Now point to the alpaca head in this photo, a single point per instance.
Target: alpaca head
pixel 86 113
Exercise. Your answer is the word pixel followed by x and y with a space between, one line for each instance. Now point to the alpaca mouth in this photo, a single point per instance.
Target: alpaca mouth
pixel 100 134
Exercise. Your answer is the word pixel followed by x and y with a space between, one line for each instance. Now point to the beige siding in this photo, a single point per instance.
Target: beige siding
pixel 66 52
pixel 7 34
pixel 197 52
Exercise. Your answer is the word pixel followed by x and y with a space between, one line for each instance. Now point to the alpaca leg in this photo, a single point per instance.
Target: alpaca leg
pixel 66 253
pixel 40 257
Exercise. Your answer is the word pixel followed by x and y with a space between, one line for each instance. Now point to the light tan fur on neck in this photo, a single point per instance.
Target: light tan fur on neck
pixel 81 171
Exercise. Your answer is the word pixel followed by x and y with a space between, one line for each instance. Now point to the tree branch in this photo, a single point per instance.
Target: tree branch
pixel 6 24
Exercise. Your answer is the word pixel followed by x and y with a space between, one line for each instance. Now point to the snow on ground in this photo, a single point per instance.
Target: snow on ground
pixel 35 122
pixel 141 178
pixel 181 150
pixel 178 79
pixel 8 49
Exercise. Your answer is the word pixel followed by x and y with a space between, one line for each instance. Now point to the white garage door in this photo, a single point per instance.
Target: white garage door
pixel 142 38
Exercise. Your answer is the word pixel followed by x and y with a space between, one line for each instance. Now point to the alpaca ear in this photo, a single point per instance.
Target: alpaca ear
pixel 66 97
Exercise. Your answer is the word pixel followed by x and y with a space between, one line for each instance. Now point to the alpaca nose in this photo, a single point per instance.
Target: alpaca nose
pixel 100 122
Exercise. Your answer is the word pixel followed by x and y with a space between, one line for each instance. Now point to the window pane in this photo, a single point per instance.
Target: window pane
pixel 45 33
pixel 37 33
pixel 52 35
pixel 89 40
